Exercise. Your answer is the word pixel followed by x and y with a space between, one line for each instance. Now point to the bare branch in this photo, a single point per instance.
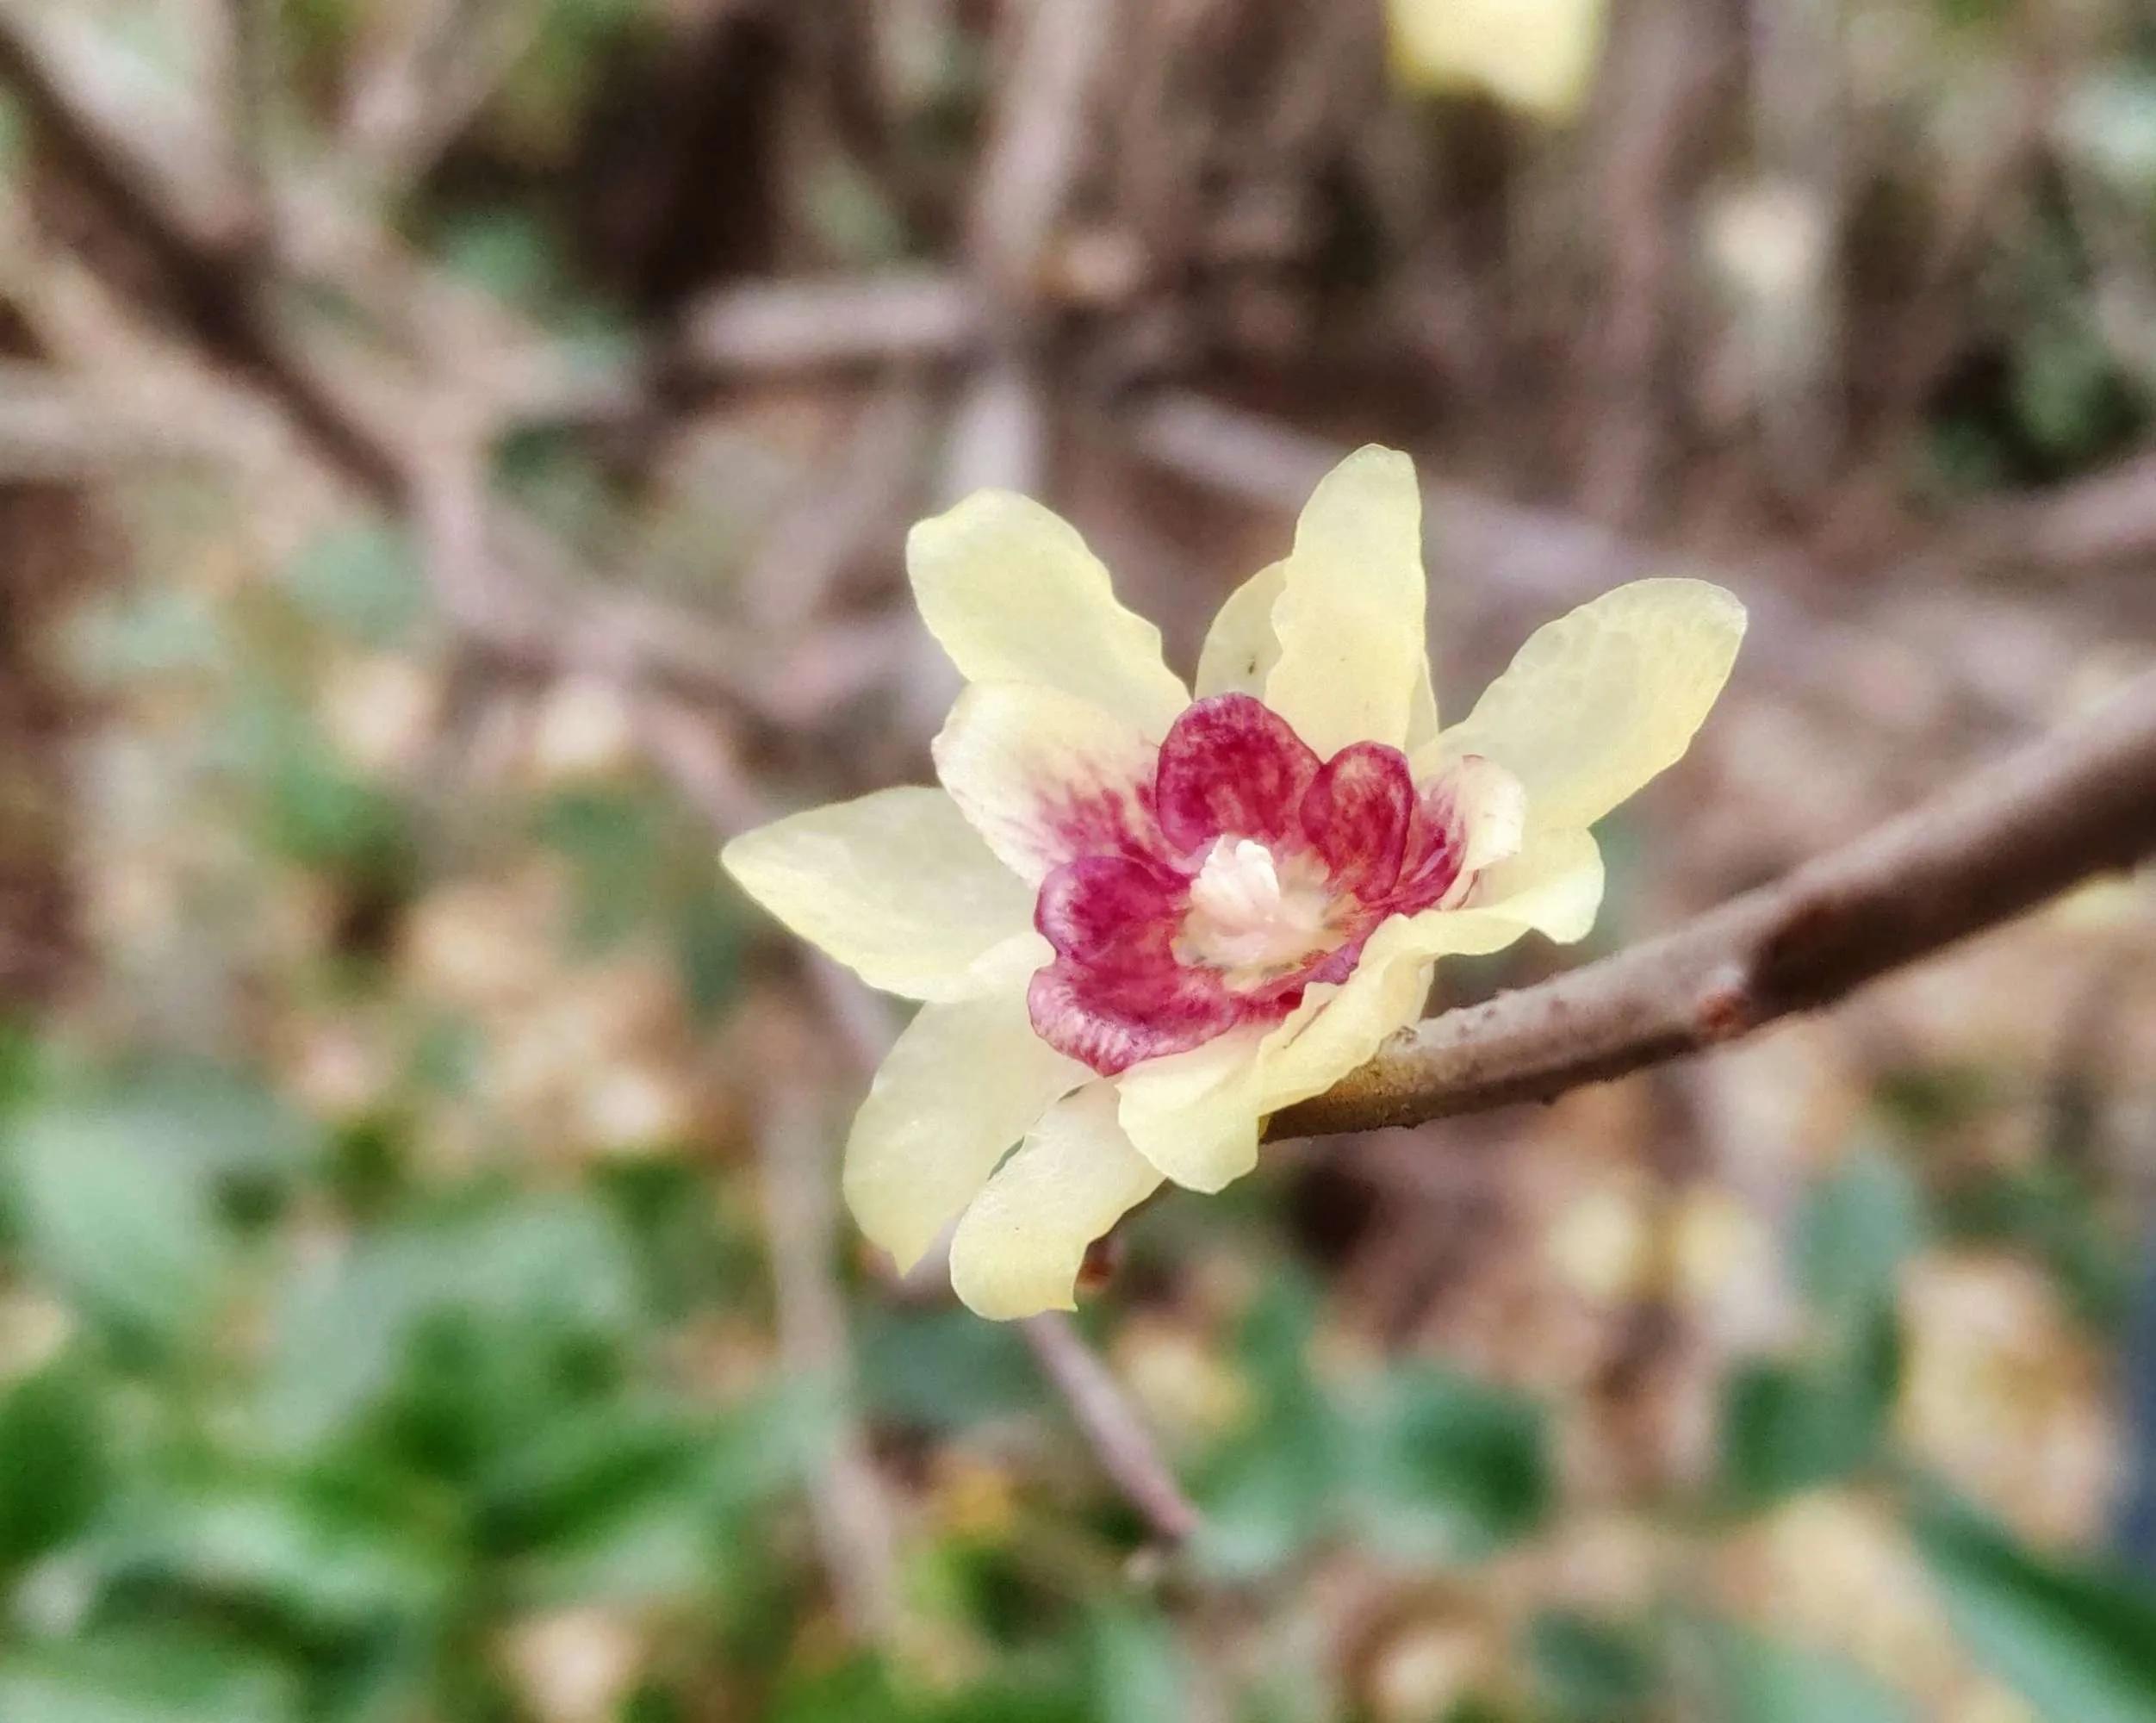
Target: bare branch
pixel 2065 809
pixel 209 260
pixel 549 619
pixel 1124 1447
pixel 793 325
pixel 1037 143
pixel 51 428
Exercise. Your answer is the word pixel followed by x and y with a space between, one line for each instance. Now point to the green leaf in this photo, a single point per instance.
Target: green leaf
pixel 1855 1230
pixel 363 580
pixel 220 1123
pixel 2076 1641
pixel 322 815
pixel 616 843
pixel 943 1370
pixel 326 1566
pixel 1136 1669
pixel 118 1220
pixel 54 1472
pixel 471 1323
pixel 1760 1680
pixel 146 1678
pixel 1591 1671
pixel 1278 1484
pixel 152 632
pixel 1788 1426
pixel 1451 1468
pixel 589 1469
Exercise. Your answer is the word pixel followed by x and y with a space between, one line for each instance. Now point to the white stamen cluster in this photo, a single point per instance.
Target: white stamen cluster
pixel 1251 918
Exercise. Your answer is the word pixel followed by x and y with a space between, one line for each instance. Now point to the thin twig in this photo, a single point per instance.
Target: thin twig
pixel 807 325
pixel 53 428
pixel 852 1514
pixel 2064 810
pixel 1123 1445
pixel 550 618
pixel 426 467
pixel 210 264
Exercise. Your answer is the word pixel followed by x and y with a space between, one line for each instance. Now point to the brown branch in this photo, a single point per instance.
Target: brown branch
pixel 2063 810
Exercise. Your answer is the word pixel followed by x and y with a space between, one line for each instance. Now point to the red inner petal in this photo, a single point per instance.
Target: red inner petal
pixel 1437 839
pixel 1231 766
pixel 1357 815
pixel 1115 993
pixel 1118 992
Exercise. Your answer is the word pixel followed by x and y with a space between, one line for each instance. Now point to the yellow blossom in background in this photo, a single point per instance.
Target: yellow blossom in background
pixel 1536 55
pixel 1142 918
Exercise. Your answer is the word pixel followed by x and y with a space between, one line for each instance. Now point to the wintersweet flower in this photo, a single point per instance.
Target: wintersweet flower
pixel 1538 56
pixel 1143 918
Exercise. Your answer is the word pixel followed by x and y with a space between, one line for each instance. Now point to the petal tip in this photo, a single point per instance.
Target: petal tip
pixel 747 860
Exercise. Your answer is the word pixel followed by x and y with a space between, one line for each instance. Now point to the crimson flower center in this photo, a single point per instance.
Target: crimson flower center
pixel 1244 870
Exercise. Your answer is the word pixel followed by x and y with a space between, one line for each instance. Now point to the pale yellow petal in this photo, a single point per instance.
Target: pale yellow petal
pixel 1537 55
pixel 1010 591
pixel 1018 1250
pixel 1349 614
pixel 1042 775
pixel 1194 1115
pixel 1241 647
pixel 896 886
pixel 1422 708
pixel 957 1089
pixel 1494 810
pixel 1598 702
pixel 1553 886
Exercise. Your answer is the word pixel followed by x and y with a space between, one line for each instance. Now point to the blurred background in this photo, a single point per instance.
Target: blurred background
pixel 454 461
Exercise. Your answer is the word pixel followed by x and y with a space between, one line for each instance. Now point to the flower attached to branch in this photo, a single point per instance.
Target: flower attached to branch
pixel 1141 922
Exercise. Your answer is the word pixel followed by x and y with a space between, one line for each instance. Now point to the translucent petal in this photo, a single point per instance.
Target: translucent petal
pixel 1598 702
pixel 1553 886
pixel 1020 1246
pixel 896 886
pixel 1241 647
pixel 1350 615
pixel 956 1090
pixel 1013 595
pixel 1194 1115
pixel 1422 709
pixel 1198 1116
pixel 1493 807
pixel 1045 777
